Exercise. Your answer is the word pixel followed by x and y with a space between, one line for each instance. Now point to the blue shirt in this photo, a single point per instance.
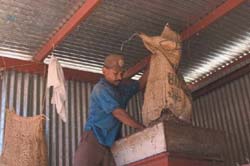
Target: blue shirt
pixel 104 99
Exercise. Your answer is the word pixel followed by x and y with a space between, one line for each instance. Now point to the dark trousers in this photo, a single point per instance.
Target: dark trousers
pixel 91 153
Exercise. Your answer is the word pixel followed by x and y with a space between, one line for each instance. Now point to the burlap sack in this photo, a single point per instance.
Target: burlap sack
pixel 165 89
pixel 24 141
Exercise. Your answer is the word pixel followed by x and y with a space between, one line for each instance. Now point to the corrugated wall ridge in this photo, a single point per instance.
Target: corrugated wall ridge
pixel 228 109
pixel 27 94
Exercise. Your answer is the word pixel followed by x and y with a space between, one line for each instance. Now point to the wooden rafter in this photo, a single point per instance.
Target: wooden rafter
pixel 7 64
pixel 79 16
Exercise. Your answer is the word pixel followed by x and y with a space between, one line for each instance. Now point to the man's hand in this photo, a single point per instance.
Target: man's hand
pixel 125 118
pixel 141 128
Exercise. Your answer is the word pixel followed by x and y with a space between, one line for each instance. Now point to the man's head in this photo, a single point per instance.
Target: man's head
pixel 113 68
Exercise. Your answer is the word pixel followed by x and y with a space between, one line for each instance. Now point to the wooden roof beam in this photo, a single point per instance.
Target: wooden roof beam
pixel 69 26
pixel 7 64
pixel 211 18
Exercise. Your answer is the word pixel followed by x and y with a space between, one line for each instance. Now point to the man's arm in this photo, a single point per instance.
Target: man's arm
pixel 125 118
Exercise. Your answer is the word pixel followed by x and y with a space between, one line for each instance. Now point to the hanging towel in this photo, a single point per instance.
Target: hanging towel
pixel 56 80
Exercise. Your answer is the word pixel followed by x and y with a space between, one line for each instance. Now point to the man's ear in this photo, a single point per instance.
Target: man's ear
pixel 104 70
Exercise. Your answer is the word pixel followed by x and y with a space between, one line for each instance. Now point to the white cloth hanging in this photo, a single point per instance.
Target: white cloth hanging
pixel 57 81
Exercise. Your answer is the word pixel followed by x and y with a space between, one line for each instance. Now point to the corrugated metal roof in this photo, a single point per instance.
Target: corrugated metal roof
pixel 222 43
pixel 114 21
pixel 28 25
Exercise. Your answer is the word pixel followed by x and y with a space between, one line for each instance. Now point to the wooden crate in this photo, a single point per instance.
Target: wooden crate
pixel 171 138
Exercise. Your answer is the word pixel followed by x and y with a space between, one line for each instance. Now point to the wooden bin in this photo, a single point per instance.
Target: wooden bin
pixel 172 144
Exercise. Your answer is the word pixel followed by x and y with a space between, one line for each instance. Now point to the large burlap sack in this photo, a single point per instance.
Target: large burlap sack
pixel 24 141
pixel 165 89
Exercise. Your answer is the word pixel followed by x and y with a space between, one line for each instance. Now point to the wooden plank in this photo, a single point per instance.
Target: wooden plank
pixel 211 18
pixel 186 139
pixel 156 160
pixel 41 69
pixel 137 68
pixel 135 147
pixel 222 81
pixel 172 159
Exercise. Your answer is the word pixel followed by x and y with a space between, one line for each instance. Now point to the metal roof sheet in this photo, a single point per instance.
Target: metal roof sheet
pixel 27 25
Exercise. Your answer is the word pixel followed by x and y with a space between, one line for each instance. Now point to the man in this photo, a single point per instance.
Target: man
pixel 106 113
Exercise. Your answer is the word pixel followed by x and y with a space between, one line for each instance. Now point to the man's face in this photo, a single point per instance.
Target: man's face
pixel 113 76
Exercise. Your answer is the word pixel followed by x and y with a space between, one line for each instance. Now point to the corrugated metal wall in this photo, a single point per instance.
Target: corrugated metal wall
pixel 25 93
pixel 228 109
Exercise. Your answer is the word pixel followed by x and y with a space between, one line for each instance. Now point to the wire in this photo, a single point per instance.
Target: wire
pixel 130 38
